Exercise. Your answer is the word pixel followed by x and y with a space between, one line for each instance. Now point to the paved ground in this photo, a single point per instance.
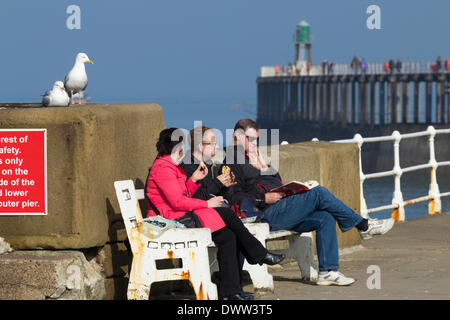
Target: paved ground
pixel 413 260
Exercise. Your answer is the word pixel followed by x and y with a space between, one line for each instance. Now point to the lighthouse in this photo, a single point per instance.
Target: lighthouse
pixel 302 43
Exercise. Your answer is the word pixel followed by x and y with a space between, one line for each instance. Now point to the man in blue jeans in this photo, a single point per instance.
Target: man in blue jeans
pixel 315 210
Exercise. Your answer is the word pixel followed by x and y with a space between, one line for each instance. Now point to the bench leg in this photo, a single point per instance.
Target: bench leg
pixel 138 285
pixel 301 248
pixel 261 278
pixel 200 274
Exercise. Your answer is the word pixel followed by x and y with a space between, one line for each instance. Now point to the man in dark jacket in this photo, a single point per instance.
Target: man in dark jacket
pixel 315 210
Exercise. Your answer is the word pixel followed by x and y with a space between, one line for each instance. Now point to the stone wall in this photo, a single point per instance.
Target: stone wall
pixel 88 148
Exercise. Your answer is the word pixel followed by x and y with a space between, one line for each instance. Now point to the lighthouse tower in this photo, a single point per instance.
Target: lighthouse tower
pixel 302 42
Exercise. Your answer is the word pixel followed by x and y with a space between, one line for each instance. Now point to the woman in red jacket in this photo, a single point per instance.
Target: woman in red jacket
pixel 172 196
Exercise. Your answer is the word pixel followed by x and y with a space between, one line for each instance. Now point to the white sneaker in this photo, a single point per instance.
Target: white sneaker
pixel 377 227
pixel 334 278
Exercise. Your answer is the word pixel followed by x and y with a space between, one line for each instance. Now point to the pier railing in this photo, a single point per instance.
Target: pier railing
pixel 398 203
pixel 407 67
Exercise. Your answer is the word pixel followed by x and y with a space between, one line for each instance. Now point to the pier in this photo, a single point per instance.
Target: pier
pixel 354 100
pixel 332 107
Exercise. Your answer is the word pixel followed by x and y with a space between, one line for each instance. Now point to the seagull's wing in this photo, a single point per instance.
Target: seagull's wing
pixel 46 99
pixel 46 93
pixel 65 78
pixel 85 85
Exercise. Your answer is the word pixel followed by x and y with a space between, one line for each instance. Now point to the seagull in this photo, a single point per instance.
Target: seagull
pixel 57 97
pixel 76 80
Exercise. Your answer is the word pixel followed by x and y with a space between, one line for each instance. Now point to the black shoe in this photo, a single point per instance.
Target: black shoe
pixel 247 296
pixel 236 296
pixel 272 258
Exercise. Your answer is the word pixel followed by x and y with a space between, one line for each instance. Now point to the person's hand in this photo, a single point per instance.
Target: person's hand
pixel 200 173
pixel 253 159
pixel 227 179
pixel 261 160
pixel 257 160
pixel 215 202
pixel 272 197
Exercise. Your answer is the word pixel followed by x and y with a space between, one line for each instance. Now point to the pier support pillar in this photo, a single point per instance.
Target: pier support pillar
pixel 428 100
pixel 381 100
pixel 416 101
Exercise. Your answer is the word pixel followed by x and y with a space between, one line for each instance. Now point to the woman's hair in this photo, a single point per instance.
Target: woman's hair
pixel 196 136
pixel 168 140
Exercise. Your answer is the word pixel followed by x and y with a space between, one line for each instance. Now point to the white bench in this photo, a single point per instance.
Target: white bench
pixel 300 248
pixel 188 246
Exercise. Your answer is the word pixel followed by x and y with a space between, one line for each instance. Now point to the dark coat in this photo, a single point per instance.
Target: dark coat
pixel 209 186
pixel 251 184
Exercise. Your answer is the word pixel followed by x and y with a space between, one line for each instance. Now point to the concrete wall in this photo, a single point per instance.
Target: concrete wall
pixel 88 148
pixel 333 165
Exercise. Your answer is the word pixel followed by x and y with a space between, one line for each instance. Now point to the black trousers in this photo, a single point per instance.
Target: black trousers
pixel 231 241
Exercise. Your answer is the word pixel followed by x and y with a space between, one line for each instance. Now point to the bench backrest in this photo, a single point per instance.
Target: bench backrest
pixel 128 201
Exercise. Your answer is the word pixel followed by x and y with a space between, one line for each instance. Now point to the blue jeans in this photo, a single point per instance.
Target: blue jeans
pixel 316 210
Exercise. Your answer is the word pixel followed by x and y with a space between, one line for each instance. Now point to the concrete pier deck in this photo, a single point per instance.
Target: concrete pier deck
pixel 413 260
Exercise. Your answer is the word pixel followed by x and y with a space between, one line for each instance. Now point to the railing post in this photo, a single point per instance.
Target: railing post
pixel 398 213
pixel 434 206
pixel 363 206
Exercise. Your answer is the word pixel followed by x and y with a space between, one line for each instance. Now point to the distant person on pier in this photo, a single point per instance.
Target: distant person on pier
pixel 324 66
pixel 386 66
pixel 355 65
pixel 399 66
pixel 363 66
pixel 308 68
pixel 447 64
pixel 438 63
pixel 295 70
pixel 330 67
pixel 391 66
pixel 314 210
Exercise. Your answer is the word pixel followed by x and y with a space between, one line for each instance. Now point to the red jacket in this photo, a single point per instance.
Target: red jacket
pixel 172 195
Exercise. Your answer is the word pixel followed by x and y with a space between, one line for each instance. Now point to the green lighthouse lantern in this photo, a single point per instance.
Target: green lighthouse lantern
pixel 303 32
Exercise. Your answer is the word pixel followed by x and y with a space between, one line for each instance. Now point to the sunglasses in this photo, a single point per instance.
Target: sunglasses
pixel 252 139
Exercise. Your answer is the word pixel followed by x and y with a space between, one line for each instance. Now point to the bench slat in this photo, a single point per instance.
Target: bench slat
pixel 281 233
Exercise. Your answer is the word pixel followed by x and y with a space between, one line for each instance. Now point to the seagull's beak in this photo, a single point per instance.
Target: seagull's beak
pixel 62 88
pixel 90 61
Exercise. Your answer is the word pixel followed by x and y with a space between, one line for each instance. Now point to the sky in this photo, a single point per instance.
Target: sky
pixel 152 51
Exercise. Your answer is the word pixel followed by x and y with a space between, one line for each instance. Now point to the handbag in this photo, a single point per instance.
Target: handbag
pixel 190 220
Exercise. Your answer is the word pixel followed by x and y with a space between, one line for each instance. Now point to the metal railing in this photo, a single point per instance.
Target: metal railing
pixel 408 67
pixel 398 204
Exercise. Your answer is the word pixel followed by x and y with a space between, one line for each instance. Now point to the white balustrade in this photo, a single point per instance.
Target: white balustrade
pixel 398 203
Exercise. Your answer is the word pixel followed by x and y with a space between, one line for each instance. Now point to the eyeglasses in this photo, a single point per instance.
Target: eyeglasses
pixel 210 143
